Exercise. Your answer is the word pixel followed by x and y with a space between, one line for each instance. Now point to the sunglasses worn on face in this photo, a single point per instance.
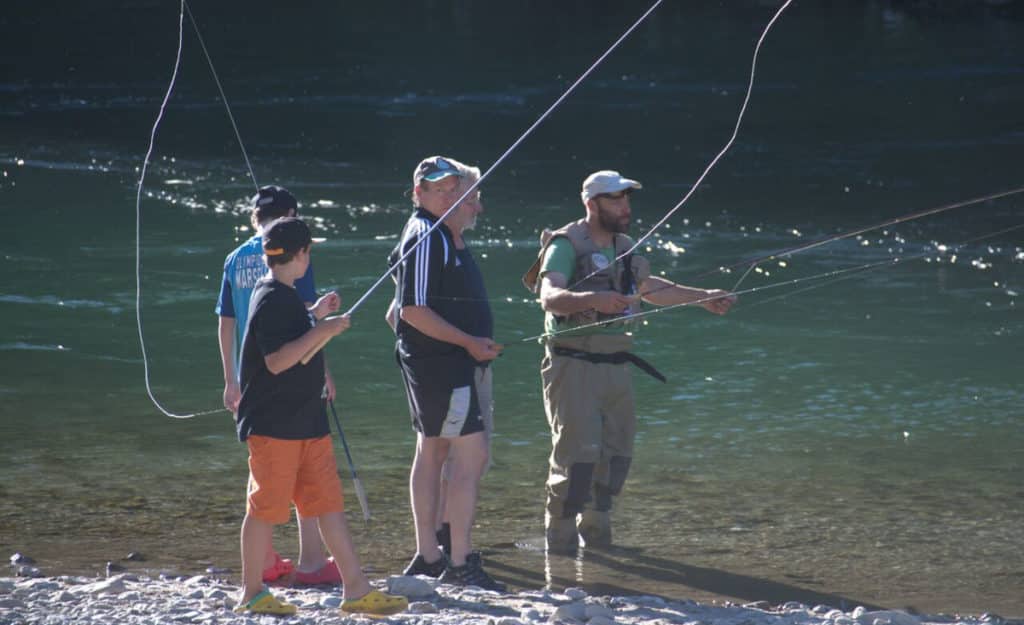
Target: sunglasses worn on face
pixel 618 195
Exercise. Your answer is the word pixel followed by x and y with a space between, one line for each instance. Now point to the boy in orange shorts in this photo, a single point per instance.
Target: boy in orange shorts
pixel 282 418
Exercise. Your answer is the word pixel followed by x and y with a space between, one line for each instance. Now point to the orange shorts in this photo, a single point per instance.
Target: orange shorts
pixel 282 472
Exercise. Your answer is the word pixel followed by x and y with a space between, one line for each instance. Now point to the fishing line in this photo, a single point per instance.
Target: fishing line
pixel 502 158
pixel 829 274
pixel 788 252
pixel 223 97
pixel 721 153
pixel 889 222
pixel 138 197
pixel 751 264
pixel 957 248
pixel 138 227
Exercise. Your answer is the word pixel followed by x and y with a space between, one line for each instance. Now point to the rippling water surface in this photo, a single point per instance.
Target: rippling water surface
pixel 846 438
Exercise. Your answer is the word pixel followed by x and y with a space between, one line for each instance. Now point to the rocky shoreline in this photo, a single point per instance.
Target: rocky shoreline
pixel 127 599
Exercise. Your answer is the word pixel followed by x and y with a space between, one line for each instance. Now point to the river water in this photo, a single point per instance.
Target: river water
pixel 847 439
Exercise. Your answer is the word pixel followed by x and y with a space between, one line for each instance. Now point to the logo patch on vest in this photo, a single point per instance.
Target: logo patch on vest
pixel 600 260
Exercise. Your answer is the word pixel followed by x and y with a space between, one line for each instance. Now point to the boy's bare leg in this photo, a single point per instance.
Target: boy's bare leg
pixel 334 530
pixel 269 558
pixel 312 555
pixel 424 486
pixel 256 535
pixel 469 453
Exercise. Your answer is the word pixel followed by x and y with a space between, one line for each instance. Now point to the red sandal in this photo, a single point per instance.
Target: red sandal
pixel 280 568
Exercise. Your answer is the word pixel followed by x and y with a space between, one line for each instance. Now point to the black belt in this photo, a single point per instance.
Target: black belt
pixel 614 358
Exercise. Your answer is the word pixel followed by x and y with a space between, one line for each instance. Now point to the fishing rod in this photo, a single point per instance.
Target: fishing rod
pixel 356 482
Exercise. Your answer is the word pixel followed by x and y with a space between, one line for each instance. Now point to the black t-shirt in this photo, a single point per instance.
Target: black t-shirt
pixel 287 405
pixel 443 278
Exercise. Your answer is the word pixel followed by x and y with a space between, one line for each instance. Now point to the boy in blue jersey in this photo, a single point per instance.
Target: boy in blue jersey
pixel 243 267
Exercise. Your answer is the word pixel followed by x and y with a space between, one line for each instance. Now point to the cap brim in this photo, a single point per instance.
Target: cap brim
pixel 440 175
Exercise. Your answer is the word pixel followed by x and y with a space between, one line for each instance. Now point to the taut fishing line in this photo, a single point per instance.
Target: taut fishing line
pixel 224 98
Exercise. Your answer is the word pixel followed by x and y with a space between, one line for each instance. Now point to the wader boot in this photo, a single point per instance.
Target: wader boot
pixel 595 528
pixel 560 535
pixel 595 523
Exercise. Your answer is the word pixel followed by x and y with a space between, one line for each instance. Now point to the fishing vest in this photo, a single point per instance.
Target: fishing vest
pixel 592 271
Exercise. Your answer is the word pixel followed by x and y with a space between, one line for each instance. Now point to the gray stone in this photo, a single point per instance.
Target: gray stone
pixel 25 570
pixel 508 620
pixel 422 607
pixel 575 593
pixel 596 609
pixel 331 601
pixel 65 597
pixel 11 603
pixel 36 585
pixel 530 615
pixel 601 620
pixel 196 594
pixel 858 612
pixel 887 617
pixel 217 593
pixel 570 611
pixel 114 585
pixel 793 606
pixel 413 587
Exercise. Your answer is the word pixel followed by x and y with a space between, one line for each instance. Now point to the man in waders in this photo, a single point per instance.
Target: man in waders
pixel 588 391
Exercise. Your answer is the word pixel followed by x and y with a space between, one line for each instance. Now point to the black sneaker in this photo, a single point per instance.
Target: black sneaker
pixel 444 538
pixel 471 573
pixel 419 566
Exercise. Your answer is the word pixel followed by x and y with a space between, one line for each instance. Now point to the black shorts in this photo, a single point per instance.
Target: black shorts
pixel 443 398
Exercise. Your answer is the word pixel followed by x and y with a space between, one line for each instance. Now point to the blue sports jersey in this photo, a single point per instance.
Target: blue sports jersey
pixel 242 270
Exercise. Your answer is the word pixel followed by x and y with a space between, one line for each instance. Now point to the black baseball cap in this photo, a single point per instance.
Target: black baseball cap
pixel 285 235
pixel 272 201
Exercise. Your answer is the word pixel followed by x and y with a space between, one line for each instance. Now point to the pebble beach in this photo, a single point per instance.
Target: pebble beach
pixel 127 599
